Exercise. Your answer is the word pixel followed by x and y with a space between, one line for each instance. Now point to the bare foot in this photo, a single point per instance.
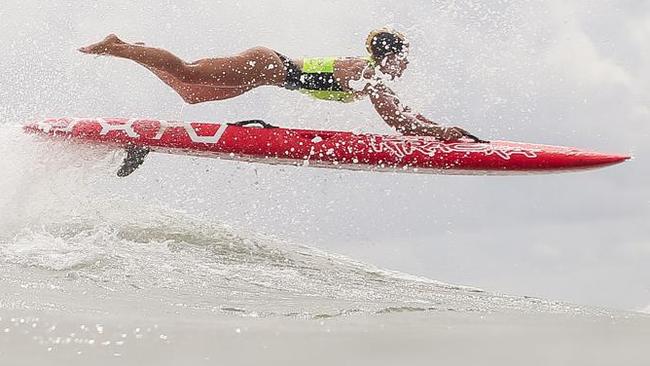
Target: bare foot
pixel 103 47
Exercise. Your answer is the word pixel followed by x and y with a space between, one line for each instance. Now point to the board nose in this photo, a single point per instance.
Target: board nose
pixel 597 159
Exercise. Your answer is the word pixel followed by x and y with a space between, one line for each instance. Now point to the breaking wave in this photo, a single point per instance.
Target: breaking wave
pixel 61 218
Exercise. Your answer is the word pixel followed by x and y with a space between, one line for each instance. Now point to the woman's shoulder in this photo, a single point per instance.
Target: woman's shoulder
pixel 360 60
pixel 354 64
pixel 364 60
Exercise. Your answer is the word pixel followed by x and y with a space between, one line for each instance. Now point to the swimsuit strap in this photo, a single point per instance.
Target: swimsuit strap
pixel 292 79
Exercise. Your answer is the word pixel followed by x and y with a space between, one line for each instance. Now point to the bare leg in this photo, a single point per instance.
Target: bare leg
pixel 191 93
pixel 196 93
pixel 251 68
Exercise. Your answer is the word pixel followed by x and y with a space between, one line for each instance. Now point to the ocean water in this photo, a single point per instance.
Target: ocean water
pixel 91 276
pixel 200 261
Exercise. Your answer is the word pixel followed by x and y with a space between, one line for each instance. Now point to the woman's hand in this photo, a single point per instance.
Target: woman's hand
pixel 440 132
pixel 427 127
pixel 452 133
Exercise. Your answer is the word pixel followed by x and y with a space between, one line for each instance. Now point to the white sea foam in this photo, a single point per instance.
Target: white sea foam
pixel 63 215
pixel 94 269
pixel 646 310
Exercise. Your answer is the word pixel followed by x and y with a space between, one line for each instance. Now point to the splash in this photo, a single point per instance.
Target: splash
pixel 66 220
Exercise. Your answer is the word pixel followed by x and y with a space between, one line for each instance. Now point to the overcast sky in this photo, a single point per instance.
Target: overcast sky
pixel 556 72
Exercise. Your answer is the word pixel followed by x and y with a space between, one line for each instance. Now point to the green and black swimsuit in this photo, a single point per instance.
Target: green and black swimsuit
pixel 316 79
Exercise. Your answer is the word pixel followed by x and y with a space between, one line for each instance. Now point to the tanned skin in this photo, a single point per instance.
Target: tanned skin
pixel 213 79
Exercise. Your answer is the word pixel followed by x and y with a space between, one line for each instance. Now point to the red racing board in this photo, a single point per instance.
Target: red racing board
pixel 330 149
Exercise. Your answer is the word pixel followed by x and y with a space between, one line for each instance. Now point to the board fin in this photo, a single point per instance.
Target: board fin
pixel 134 158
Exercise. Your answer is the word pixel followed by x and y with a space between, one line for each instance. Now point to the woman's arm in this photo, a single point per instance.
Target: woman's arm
pixel 402 119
